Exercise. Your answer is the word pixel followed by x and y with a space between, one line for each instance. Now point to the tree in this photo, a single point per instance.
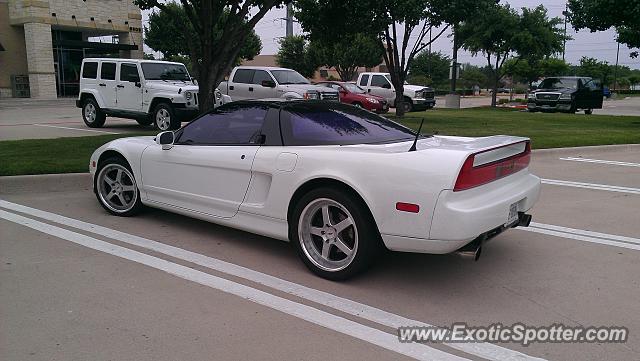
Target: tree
pixel 522 71
pixel 402 26
pixel 501 33
pixel 430 69
pixel 471 75
pixel 221 29
pixel 295 53
pixel 349 52
pixel 594 68
pixel 599 15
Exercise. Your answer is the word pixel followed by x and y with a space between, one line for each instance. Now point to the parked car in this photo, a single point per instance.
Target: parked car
pixel 352 94
pixel 265 82
pixel 339 182
pixel 416 97
pixel 152 92
pixel 606 92
pixel 566 94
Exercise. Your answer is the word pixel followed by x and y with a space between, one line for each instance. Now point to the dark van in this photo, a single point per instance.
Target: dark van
pixel 566 94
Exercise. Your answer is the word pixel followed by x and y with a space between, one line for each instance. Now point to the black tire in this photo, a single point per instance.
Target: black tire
pixel 144 121
pixel 362 237
pixel 92 115
pixel 164 118
pixel 408 105
pixel 132 204
pixel 588 111
pixel 357 105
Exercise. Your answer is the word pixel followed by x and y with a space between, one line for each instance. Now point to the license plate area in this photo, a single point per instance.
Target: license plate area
pixel 513 214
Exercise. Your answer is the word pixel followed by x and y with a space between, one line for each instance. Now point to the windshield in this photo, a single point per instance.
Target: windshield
pixel 559 83
pixel 353 88
pixel 289 77
pixel 339 124
pixel 165 71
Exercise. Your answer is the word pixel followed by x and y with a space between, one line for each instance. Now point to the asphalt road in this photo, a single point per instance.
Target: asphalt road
pixel 163 287
pixel 34 119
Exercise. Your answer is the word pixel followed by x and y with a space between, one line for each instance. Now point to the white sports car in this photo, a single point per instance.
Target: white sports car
pixel 339 182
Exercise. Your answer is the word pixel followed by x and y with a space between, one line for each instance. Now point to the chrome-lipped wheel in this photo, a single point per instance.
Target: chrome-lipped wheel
pixel 328 234
pixel 163 119
pixel 90 112
pixel 117 188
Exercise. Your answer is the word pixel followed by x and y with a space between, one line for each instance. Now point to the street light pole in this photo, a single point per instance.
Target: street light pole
pixel 615 73
pixel 564 41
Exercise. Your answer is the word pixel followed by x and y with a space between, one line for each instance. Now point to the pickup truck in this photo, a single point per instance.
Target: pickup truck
pixel 566 94
pixel 263 82
pixel 416 97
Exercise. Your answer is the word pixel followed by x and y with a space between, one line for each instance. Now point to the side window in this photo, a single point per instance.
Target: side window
pixel 364 80
pixel 379 80
pixel 129 72
pixel 90 70
pixel 243 76
pixel 259 76
pixel 233 125
pixel 108 71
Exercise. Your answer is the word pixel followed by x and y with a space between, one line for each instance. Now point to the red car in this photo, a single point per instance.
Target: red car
pixel 352 94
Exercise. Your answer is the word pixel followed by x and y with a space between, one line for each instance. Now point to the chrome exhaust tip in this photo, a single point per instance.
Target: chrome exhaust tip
pixel 470 254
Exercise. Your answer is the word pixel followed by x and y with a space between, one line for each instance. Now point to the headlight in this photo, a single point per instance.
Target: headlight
pixel 188 95
pixel 311 96
pixel 373 100
pixel 566 96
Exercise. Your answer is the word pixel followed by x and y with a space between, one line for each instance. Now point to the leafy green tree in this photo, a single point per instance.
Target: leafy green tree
pixel 522 71
pixel 430 69
pixel 215 33
pixel 472 75
pixel 553 67
pixel 349 52
pixel 634 79
pixel 599 15
pixel 594 68
pixel 169 30
pixel 502 33
pixel 403 26
pixel 296 53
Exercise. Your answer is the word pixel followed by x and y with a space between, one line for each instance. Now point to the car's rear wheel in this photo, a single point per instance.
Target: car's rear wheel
pixel 407 105
pixel 334 233
pixel 116 188
pixel 164 117
pixel 92 115
pixel 588 111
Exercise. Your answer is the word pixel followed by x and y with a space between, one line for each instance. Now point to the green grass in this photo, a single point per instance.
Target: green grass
pixel 68 155
pixel 546 130
pixel 43 156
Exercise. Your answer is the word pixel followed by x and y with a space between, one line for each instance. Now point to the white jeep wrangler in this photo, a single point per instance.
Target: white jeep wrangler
pixel 152 92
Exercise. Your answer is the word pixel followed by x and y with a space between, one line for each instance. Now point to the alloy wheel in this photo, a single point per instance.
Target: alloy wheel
pixel 90 112
pixel 163 119
pixel 117 188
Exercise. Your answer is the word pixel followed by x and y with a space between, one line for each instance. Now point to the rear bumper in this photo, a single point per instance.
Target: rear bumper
pixel 461 217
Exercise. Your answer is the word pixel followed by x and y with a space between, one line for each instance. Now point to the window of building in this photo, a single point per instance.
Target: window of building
pixel 108 71
pixel 90 70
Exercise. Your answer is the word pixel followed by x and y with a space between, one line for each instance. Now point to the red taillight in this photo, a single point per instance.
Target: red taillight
pixel 471 176
pixel 408 207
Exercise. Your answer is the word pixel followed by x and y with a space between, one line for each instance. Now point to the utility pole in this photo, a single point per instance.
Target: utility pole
pixel 615 73
pixel 564 41
pixel 430 56
pixel 454 62
pixel 289 20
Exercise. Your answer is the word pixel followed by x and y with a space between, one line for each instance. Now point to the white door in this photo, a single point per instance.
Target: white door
pixel 209 167
pixel 129 88
pixel 240 83
pixel 259 90
pixel 381 86
pixel 107 84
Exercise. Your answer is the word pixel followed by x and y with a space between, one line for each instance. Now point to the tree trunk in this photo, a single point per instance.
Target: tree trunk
pixel 400 100
pixel 494 95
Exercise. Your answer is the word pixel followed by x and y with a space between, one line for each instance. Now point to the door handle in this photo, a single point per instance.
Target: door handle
pixel 102 84
pixel 230 87
pixel 250 89
pixel 120 86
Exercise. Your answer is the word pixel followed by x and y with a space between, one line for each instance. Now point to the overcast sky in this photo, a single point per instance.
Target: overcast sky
pixel 600 45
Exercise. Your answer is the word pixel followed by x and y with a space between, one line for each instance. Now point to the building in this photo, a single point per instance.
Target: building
pixel 45 41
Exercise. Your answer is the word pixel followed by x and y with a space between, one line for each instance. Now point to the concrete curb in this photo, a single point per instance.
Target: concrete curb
pixel 44 183
pixel 587 149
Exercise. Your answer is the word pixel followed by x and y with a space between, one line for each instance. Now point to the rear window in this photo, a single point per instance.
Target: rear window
pixel 243 76
pixel 364 80
pixel 90 70
pixel 108 71
pixel 339 124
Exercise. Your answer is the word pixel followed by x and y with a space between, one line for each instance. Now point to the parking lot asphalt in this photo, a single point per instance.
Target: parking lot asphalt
pixel 162 286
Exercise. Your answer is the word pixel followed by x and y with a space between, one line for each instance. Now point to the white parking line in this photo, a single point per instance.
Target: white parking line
pixel 484 350
pixel 600 161
pixel 600 187
pixel 583 235
pixel 379 338
pixel 69 128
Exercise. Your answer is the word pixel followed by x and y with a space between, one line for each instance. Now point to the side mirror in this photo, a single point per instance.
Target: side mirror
pixel 386 86
pixel 165 139
pixel 268 84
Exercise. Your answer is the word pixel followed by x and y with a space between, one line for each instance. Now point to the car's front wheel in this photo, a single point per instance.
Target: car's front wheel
pixel 116 188
pixel 407 105
pixel 588 111
pixel 334 233
pixel 92 115
pixel 164 117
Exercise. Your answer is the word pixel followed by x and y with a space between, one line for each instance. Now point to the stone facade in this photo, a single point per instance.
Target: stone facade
pixel 37 18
